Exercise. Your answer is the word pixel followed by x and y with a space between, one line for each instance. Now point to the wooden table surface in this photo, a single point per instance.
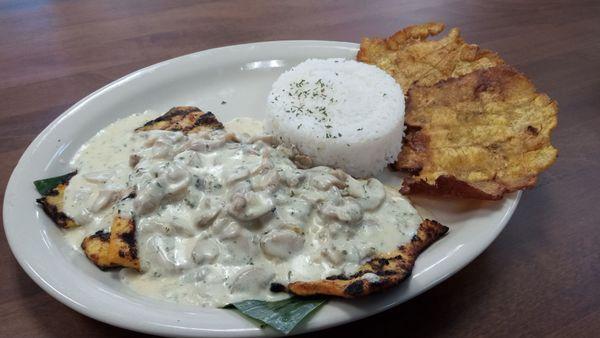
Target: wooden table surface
pixel 540 277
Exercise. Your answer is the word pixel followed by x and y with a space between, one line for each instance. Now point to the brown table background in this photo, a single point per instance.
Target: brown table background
pixel 540 277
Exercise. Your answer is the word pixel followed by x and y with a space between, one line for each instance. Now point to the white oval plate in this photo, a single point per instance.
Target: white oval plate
pixel 231 81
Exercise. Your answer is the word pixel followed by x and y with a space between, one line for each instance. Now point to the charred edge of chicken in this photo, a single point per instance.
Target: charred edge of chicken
pixel 95 248
pixel 53 204
pixel 390 269
pixel 185 119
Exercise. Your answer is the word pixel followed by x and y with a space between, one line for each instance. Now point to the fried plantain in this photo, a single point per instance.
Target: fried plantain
pixel 477 136
pixel 412 59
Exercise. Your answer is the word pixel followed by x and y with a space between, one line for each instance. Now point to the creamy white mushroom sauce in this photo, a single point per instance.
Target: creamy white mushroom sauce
pixel 221 215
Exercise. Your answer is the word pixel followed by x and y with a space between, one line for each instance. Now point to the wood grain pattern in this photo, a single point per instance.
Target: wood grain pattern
pixel 541 277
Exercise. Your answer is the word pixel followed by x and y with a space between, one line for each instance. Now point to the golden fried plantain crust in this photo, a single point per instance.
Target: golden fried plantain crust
pixel 185 119
pixel 95 248
pixel 53 204
pixel 477 136
pixel 391 269
pixel 413 60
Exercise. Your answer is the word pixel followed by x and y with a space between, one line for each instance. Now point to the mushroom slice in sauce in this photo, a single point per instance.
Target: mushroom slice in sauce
pixel 281 243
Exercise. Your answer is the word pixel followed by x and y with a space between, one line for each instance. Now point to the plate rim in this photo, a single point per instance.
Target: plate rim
pixel 74 305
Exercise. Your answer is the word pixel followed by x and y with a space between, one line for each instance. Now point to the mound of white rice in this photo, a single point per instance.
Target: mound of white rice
pixel 341 113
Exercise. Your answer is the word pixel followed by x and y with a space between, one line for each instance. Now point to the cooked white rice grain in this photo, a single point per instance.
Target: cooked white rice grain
pixel 342 113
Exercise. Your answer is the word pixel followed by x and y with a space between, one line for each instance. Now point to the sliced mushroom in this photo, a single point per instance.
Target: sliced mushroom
pixel 148 198
pixel 292 178
pixel 163 136
pixel 206 142
pixel 369 194
pixel 342 176
pixel 163 251
pixel 238 173
pixel 104 198
pixel 163 144
pixel 268 139
pixel 176 177
pixel 241 243
pixel 227 229
pixel 206 211
pixel 265 162
pixel 189 158
pixel 161 150
pixel 250 206
pixel 294 210
pixel 238 204
pixel 205 251
pixel 269 181
pixel 219 225
pixel 251 279
pixel 134 159
pixel 302 161
pixel 99 176
pixel 83 216
pixel 348 211
pixel 206 145
pixel 323 180
pixel 281 243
